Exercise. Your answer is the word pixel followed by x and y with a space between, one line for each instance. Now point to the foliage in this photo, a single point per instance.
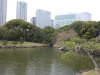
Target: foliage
pixel 14 42
pixel 48 32
pixel 59 30
pixel 93 40
pixel 77 26
pixel 78 40
pixel 70 55
pixel 89 30
pixel 86 45
pixel 38 35
pixel 86 30
pixel 74 50
pixel 5 43
pixel 70 44
pixel 21 40
pixel 2 32
pixel 16 28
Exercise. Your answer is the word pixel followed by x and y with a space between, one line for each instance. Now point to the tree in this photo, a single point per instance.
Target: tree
pixel 5 43
pixel 90 46
pixel 75 49
pixel 2 32
pixel 14 43
pixel 13 24
pixel 21 40
pixel 88 28
pixel 38 35
pixel 77 26
pixel 48 32
pixel 6 34
pixel 18 28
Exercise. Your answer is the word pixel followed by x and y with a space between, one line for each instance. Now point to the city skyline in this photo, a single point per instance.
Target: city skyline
pixel 56 7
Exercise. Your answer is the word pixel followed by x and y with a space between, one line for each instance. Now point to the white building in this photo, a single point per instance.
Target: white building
pixel 84 16
pixel 3 11
pixel 21 10
pixel 43 18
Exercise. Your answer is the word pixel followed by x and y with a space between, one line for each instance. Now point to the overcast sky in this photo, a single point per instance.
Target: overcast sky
pixel 56 7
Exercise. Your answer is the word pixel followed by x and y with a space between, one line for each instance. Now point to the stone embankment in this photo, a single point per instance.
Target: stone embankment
pixel 81 71
pixel 21 46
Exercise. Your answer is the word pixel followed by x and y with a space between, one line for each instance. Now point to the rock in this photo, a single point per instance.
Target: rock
pixel 96 53
pixel 77 73
pixel 86 70
pixel 62 48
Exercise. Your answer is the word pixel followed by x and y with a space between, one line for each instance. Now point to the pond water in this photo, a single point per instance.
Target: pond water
pixel 39 61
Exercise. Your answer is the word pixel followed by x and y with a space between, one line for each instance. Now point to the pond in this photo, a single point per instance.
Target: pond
pixel 39 61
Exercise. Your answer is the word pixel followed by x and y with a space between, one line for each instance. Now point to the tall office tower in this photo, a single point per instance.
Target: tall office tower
pixel 62 20
pixel 33 20
pixel 21 10
pixel 43 18
pixel 52 23
pixel 84 16
pixel 3 11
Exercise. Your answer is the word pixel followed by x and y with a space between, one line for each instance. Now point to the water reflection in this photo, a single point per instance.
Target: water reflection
pixel 39 61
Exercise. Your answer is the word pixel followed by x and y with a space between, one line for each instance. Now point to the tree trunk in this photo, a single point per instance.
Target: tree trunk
pixel 94 62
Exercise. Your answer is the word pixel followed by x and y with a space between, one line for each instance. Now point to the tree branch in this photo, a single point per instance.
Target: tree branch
pixel 94 62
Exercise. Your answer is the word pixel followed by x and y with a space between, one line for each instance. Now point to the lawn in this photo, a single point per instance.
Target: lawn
pixel 92 72
pixel 24 44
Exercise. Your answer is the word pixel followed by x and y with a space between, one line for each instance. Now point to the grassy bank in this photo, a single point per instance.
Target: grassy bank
pixel 92 72
pixel 24 44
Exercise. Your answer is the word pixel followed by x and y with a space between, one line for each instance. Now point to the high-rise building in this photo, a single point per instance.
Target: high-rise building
pixel 43 18
pixel 67 19
pixel 52 23
pixel 33 20
pixel 21 10
pixel 84 16
pixel 3 11
pixel 62 20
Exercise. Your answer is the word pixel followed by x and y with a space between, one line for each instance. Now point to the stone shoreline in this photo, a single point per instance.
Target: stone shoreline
pixel 81 71
pixel 21 46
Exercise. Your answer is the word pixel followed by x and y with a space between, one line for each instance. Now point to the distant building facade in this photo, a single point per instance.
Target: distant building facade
pixel 67 19
pixel 52 23
pixel 33 20
pixel 62 20
pixel 84 16
pixel 21 10
pixel 3 11
pixel 43 18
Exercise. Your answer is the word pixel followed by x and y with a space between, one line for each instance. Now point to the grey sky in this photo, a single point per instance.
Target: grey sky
pixel 56 7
